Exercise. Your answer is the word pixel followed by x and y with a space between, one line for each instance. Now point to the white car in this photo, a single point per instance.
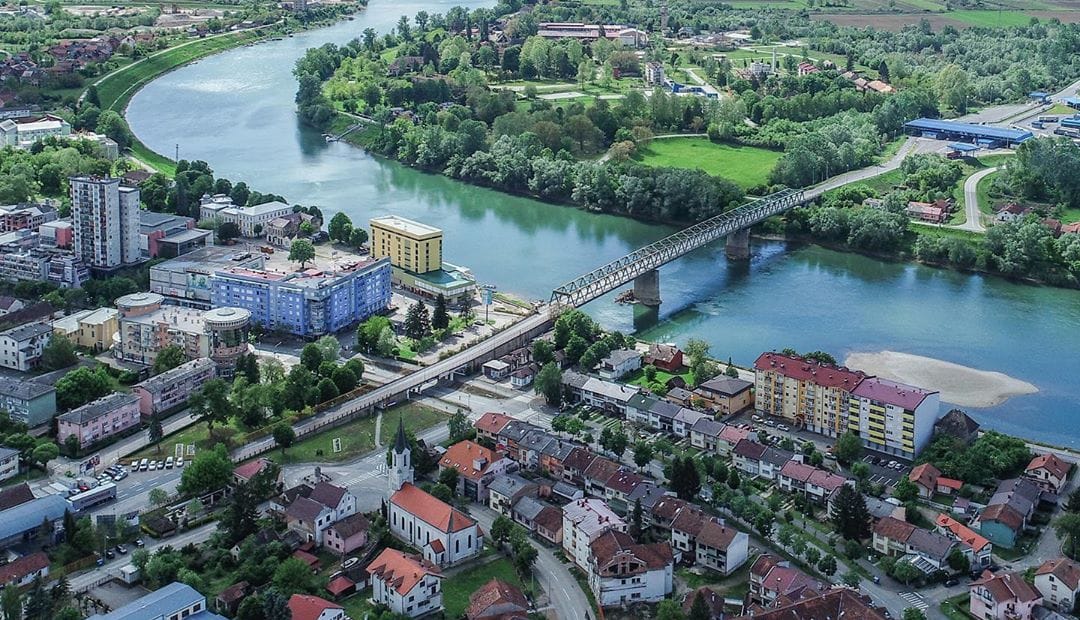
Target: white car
pixel 180 461
pixel 783 427
pixel 152 466
pixel 169 463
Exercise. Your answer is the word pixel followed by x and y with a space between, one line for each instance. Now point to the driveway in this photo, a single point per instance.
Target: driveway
pixel 971 201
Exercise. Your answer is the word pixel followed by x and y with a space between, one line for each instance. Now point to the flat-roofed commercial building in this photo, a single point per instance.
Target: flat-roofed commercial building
pixel 410 245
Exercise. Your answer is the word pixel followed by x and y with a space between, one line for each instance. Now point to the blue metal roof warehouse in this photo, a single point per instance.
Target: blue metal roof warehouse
pixel 980 134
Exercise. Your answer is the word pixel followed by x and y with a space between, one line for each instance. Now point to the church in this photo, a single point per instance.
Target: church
pixel 444 535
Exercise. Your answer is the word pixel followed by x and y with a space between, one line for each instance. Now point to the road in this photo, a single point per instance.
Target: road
pixel 971 201
pixel 80 582
pixel 911 146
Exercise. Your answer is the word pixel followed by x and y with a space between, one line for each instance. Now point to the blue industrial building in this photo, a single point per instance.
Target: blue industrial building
pixel 983 135
pixel 309 303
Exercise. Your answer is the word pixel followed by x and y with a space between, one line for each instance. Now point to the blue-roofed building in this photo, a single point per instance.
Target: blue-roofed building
pixel 1038 95
pixel 985 135
pixel 309 303
pixel 173 602
pixel 21 523
pixel 1073 102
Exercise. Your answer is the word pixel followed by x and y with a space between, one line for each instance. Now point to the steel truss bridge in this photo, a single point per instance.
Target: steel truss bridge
pixel 588 287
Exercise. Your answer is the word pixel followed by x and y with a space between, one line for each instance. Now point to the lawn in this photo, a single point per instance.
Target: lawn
pixel 745 165
pixel 956 608
pixel 991 19
pixel 662 377
pixel 982 190
pixel 1068 216
pixel 1060 108
pixel 195 434
pixel 358 437
pixel 458 588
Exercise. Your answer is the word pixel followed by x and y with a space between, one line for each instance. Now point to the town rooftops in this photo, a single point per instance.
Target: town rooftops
pixel 733 434
pixel 97 408
pixel 579 459
pixel 405 225
pixel 401 571
pixel 894 529
pixel 664 353
pixel 158 383
pixel 801 369
pixel 575 380
pixel 497 599
pixel 22 389
pixel 163 603
pixel 469 458
pixel 510 485
pixel 750 449
pixel 777 576
pixel 351 525
pixel 26 565
pixel 1020 494
pixel 609 545
pixel 708 427
pixel 327 494
pixel 308 607
pixel 492 423
pixel 613 391
pixel 836 603
pixel 624 481
pixel 930 544
pixel 249 470
pixel 591 516
pixel 956 423
pixel 1056 466
pixel 1007 587
pixel 901 395
pixel 304 509
pixel 529 507
pixel 1063 569
pixel 25 332
pixel 619 357
pixel 1005 514
pixel 925 475
pixel 15 495
pixel 430 509
pixel 601 470
pixel 726 386
pixel 961 532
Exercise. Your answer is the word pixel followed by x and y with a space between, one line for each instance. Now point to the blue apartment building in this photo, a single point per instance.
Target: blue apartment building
pixel 309 303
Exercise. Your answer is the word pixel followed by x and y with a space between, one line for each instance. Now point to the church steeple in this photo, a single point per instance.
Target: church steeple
pixel 401 470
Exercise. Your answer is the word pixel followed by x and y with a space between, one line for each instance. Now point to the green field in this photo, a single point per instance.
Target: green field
pixel 745 165
pixel 991 19
pixel 458 588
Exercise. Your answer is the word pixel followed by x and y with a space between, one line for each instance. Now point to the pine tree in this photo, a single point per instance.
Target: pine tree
pixel 636 522
pixel 699 610
pixel 850 516
pixel 155 432
pixel 417 323
pixel 441 318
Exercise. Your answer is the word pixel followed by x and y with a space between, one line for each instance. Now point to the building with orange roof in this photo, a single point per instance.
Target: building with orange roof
pixel 621 571
pixel 975 546
pixel 1004 596
pixel 444 534
pixel 308 607
pixel 407 584
pixel 1049 471
pixel 490 425
pixel 477 467
pixel 497 600
pixel 1058 580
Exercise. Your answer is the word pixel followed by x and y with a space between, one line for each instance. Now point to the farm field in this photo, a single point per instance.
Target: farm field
pixel 747 166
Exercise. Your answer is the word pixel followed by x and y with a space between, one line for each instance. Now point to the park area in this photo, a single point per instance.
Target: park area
pixel 747 166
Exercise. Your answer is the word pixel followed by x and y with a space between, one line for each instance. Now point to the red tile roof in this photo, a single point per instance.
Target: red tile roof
pixel 400 571
pixel 893 529
pixel 307 558
pixel 430 509
pixel 733 434
pixel 234 593
pixel 307 607
pixel 26 565
pixel 1063 569
pixel 783 580
pixel 499 600
pixel 836 603
pixel 579 459
pixel 1003 513
pixel 961 532
pixel 1007 587
pixel 797 471
pixel 902 395
pixel 612 543
pixel 624 481
pixel 550 518
pixel 492 423
pixel 436 545
pixel 248 470
pixel 1057 467
pixel 808 370
pixel 601 470
pixel 469 458
pixel 327 494
pixel 925 475
pixel 340 585
pixel 749 449
pixel 950 483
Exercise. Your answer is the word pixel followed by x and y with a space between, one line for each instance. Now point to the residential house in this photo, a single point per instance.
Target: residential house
pixel 1003 596
pixel 707 541
pixel 576 464
pixel 100 419
pixel 338 499
pixel 929 481
pixel 407 584
pixel 619 363
pixel 505 491
pixel 497 600
pixel 444 534
pixel 348 534
pixel 532 445
pixel 772 579
pixel 816 484
pixel 1011 212
pixel 246 472
pixel 21 347
pixel 597 475
pixel 476 465
pixel 308 607
pixel 553 457
pixel 747 455
pixel 705 434
pixel 1006 514
pixel 548 525
pixel 23 570
pixel 489 425
pixel 663 512
pixel 176 600
pixel 726 395
pixel 679 396
pixel 525 510
pixel 977 548
pixel 714 602
pixel 92 329
pixel 927 550
pixel 936 212
pixel 1058 581
pixel 730 436
pixel 583 522
pixel 309 518
pixel 27 402
pixel 496 370
pixel 836 603
pixel 890 536
pixel 621 571
pixel 619 486
pixel 685 419
pixel 523 377
pixel 608 396
pixel 665 357
pixel 8 304
pixel 957 424
pixel 230 598
pixel 1049 471
pixel 15 495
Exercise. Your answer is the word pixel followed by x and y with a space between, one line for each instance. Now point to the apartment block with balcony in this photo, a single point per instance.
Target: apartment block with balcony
pixel 105 222
pixel 99 419
pixel 805 392
pixel 172 388
pixel 892 417
pixel 27 402
pixel 21 347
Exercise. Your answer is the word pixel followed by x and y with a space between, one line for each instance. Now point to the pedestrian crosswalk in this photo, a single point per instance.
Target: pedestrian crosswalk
pixel 916 600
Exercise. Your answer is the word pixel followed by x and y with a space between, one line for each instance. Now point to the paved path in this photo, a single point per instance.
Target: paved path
pixel 81 582
pixel 971 201
pixel 911 145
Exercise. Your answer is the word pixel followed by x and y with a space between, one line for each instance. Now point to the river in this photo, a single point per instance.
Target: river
pixel 235 110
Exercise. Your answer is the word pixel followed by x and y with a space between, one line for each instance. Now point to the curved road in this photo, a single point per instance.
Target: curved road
pixel 971 201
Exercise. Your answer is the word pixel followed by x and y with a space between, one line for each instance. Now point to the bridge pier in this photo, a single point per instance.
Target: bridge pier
pixel 647 288
pixel 737 246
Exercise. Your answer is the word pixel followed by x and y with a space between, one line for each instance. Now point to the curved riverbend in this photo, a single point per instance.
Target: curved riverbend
pixel 235 110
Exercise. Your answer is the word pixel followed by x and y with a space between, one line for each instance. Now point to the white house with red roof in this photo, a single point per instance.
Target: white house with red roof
pixel 929 481
pixel 490 425
pixel 247 471
pixel 477 467
pixel 621 571
pixel 584 520
pixel 975 546
pixel 1049 471
pixel 308 607
pixel 444 534
pixel 409 585
pixel 1058 580
pixel 1004 596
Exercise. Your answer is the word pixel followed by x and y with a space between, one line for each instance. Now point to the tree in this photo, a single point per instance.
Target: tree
pixel 387 342
pixel 340 228
pixel 43 453
pixel 851 579
pixel 112 125
pixel 459 426
pixel 301 251
pixel 911 613
pixel 276 604
pixel 358 237
pixel 542 352
pixel 417 321
pixel 905 490
pixel 827 565
pixel 81 386
pixel 1067 527
pixel 636 521
pixel 209 471
pixel 685 479
pixel 240 517
pixel 501 528
pixel 211 404
pixel 905 571
pixel 159 496
pixel 59 353
pixel 850 516
pixel 311 357
pixel 11 604
pixel 958 561
pixel 327 390
pixel 168 357
pixel 669 610
pixel 848 448
pixel 643 453
pixel 614 440
pixel 440 319
pixel 293 576
pixel 227 231
pixel 284 435
pixel 549 383
pixel 733 479
pixel 699 609
pixel 367 333
pixel 1073 504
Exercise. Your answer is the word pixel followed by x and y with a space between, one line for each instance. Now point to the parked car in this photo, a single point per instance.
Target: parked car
pixel 143 464
pixel 139 543
pixel 756 418
pixel 109 554
pixel 180 461
pixel 135 465
pixel 783 427
pixel 121 549
pixel 152 466
pixel 951 582
pixel 120 475
pixel 169 463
